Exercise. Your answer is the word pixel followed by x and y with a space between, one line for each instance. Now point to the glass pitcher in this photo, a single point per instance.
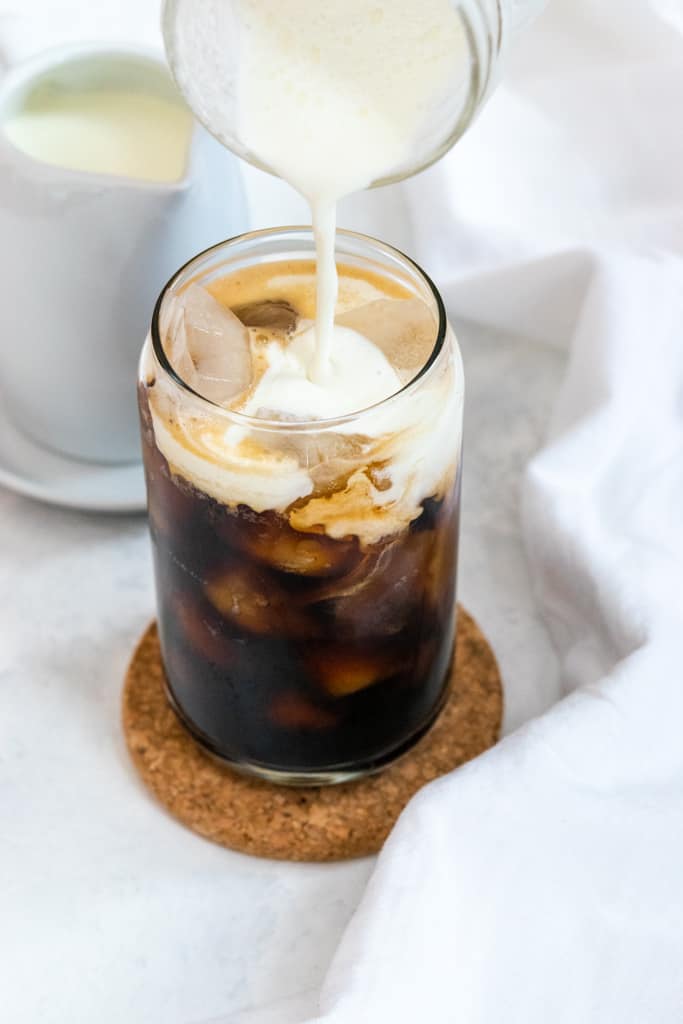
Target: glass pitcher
pixel 488 27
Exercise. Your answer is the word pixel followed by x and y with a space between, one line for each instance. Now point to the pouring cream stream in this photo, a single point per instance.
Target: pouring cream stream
pixel 331 97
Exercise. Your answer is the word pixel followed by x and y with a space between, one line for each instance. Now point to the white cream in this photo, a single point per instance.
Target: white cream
pixel 215 458
pixel 415 436
pixel 104 131
pixel 359 376
pixel 335 95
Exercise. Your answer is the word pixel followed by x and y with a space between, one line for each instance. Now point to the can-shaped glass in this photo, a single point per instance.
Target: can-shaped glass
pixel 305 568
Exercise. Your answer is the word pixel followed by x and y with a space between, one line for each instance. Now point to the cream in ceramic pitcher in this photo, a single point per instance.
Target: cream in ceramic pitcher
pixel 106 187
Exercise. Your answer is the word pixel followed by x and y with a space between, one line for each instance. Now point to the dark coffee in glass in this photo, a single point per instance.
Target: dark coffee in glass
pixel 305 569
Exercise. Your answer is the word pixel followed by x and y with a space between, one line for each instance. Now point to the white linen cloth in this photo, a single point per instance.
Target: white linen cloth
pixel 544 881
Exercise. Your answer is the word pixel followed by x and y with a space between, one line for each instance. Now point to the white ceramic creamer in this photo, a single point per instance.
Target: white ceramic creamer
pixel 91 230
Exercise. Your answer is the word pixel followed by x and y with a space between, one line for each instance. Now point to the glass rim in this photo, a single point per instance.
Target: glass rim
pixel 256 422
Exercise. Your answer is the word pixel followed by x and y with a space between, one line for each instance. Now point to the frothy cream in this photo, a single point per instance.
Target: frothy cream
pixel 334 96
pixel 365 475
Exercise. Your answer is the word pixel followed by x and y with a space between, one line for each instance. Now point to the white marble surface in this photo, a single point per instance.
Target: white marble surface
pixel 110 910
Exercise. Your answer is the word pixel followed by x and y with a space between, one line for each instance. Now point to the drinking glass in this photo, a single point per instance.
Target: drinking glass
pixel 306 592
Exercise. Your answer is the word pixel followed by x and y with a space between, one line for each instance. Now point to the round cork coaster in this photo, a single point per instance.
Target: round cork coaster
pixel 324 823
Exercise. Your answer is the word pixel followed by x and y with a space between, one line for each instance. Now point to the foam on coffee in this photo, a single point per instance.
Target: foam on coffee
pixel 366 476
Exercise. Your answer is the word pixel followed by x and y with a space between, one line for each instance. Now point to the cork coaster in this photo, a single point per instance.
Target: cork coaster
pixel 312 824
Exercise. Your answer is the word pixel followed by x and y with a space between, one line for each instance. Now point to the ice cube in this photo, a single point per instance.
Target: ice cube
pixel 442 566
pixel 390 595
pixel 174 340
pixel 268 538
pixel 341 671
pixel 328 457
pixel 208 346
pixel 311 555
pixel 331 458
pixel 351 583
pixel 272 314
pixel 169 506
pixel 404 330
pixel 205 636
pixel 294 711
pixel 242 600
pixel 254 602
